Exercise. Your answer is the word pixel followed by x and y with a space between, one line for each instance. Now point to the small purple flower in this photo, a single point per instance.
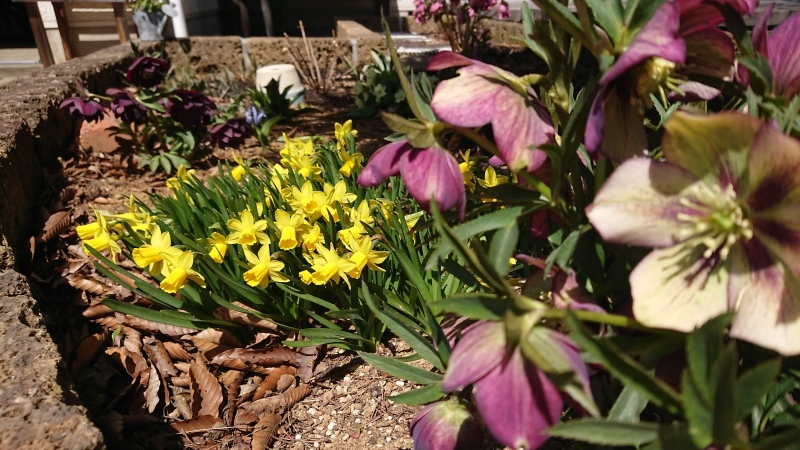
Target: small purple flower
pixel 125 106
pixel 254 115
pixel 446 425
pixel 781 50
pixel 190 108
pixel 231 133
pixel 88 110
pixel 147 71
pixel 429 173
pixel 503 11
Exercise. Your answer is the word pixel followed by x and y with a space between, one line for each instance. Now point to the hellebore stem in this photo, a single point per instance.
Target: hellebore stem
pixel 615 320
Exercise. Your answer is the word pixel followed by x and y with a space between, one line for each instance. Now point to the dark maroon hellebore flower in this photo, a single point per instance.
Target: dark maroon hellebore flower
pixel 231 133
pixel 147 71
pixel 125 106
pixel 781 50
pixel 88 110
pixel 190 108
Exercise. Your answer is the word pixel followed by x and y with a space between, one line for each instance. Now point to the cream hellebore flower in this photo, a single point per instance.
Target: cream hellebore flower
pixel 723 215
pixel 179 271
pixel 247 231
pixel 263 268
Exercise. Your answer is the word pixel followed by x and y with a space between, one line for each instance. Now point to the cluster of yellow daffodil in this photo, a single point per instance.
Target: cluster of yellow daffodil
pixel 324 222
pixel 490 176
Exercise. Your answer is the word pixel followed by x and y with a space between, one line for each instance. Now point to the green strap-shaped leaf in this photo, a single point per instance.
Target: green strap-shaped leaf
pixel 606 432
pixel 400 369
pixel 421 396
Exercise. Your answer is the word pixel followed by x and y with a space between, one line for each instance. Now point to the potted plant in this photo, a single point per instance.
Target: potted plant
pixel 150 16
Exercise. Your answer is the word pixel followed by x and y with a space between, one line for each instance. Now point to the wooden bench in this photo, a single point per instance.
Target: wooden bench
pixel 40 34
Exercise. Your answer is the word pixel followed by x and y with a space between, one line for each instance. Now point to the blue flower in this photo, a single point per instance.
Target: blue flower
pixel 254 116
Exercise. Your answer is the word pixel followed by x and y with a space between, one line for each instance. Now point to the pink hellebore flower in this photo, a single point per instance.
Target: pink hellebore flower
pixel 446 425
pixel 429 173
pixel 484 94
pixel 515 399
pixel 781 50
pixel 723 215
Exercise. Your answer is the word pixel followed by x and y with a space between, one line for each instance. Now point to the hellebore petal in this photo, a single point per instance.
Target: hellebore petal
pixel 384 163
pixel 692 91
pixel 783 55
pixel 572 354
pixel 639 204
pixel 446 425
pixel 767 299
pixel 759 33
pixel 714 148
pixel 659 38
pixel 446 60
pixel 774 194
pixel 612 112
pixel 480 349
pixel 567 293
pixel 709 52
pixel 678 290
pixel 518 402
pixel 483 94
pixel 433 173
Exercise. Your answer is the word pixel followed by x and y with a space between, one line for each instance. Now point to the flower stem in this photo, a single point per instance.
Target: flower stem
pixel 615 320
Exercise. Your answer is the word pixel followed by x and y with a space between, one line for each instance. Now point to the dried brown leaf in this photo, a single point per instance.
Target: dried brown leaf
pixel 285 382
pixel 264 429
pixel 132 363
pixel 85 284
pixel 183 367
pixel 108 322
pixel 200 424
pixel 72 266
pixel 241 318
pixel 133 340
pixel 160 357
pixel 67 194
pixel 266 357
pixel 270 383
pixel 153 387
pixel 209 349
pixel 244 417
pixel 206 389
pixel 142 324
pixel 56 224
pixel 280 402
pixel 184 381
pixel 86 352
pixel 231 380
pixel 219 337
pixel 305 363
pixel 98 310
pixel 181 402
pixel 177 351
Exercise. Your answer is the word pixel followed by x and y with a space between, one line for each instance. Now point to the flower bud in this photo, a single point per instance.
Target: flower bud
pixel 446 425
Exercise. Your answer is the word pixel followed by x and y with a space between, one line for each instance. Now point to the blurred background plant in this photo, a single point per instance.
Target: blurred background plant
pixel 462 22
pixel 317 71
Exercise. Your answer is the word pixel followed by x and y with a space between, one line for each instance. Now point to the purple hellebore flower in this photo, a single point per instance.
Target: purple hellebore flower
pixel 147 71
pixel 125 106
pixel 516 400
pixel 88 110
pixel 683 36
pixel 503 11
pixel 446 425
pixel 231 133
pixel 482 94
pixel 781 50
pixel 190 108
pixel 429 173
pixel 722 215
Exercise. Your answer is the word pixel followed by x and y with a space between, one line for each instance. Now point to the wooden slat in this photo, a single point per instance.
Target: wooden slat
pixel 121 22
pixel 63 29
pixel 39 34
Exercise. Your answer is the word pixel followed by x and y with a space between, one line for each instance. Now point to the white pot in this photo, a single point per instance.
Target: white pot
pixel 287 76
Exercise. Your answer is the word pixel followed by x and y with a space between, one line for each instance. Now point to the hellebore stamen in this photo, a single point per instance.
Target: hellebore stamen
pixel 651 74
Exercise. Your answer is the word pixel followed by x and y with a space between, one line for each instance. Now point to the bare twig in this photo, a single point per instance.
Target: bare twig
pixel 307 62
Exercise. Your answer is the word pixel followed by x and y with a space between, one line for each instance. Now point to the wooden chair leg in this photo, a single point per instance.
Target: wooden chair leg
pixel 121 22
pixel 63 29
pixel 39 34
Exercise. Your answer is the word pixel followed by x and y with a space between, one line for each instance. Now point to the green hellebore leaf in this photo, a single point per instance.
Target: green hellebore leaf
pixel 607 432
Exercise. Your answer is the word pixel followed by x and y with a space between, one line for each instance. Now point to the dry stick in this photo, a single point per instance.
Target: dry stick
pixel 312 58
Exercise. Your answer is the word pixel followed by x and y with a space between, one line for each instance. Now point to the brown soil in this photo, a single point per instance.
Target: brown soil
pixel 346 406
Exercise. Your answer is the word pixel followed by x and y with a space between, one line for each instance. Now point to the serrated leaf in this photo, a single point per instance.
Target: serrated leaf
pixel 754 384
pixel 606 432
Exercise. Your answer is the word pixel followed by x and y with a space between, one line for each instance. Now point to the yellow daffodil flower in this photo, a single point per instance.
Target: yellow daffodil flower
pixel 327 265
pixel 218 247
pixel 466 171
pixel 247 231
pixel 341 131
pixel 263 268
pixel 333 195
pixel 240 170
pixel 287 226
pixel 103 241
pixel 91 230
pixel 386 206
pixel 308 200
pixel 311 236
pixel 294 149
pixel 181 176
pixel 491 179
pixel 364 256
pixel 179 271
pixel 349 162
pixel 152 255
pixel 306 167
